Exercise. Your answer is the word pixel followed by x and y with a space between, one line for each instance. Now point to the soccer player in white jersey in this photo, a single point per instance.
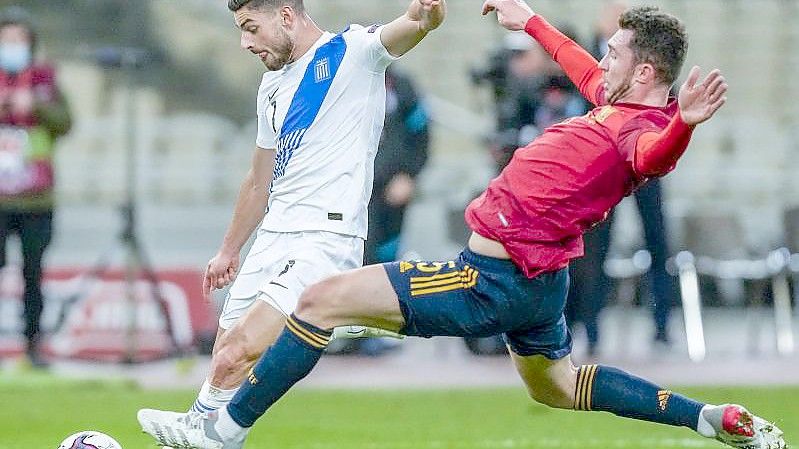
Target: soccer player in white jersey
pixel 320 112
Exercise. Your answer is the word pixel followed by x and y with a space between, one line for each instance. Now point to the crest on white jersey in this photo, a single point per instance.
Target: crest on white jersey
pixel 322 70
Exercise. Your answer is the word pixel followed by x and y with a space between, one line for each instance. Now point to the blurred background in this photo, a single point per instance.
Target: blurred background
pixel 163 125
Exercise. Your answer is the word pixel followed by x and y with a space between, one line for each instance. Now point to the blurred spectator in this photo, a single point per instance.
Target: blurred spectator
pixel 590 286
pixel 32 115
pixel 537 95
pixel 495 72
pixel 400 158
pixel 527 66
pixel 606 25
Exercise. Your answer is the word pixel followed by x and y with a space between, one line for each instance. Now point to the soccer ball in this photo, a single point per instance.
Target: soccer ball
pixel 89 439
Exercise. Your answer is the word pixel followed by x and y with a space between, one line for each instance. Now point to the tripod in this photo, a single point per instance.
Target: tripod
pixel 127 61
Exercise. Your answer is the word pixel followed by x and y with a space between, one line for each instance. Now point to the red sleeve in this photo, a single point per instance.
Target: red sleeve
pixel 578 64
pixel 656 153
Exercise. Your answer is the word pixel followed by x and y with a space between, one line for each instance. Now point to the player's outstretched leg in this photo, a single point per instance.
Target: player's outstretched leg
pixel 296 351
pixel 236 350
pixel 560 384
pixel 360 296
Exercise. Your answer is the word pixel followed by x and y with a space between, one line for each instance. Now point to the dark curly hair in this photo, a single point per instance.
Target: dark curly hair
pixel 658 39
pixel 235 5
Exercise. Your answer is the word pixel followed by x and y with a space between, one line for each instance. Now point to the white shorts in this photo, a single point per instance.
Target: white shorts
pixel 280 265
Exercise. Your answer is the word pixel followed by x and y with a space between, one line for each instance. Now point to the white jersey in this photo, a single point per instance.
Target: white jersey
pixel 323 114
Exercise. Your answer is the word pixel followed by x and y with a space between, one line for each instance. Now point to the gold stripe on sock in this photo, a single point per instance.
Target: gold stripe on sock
pixel 315 340
pixel 588 394
pixel 321 338
pixel 578 388
pixel 584 387
pixel 302 337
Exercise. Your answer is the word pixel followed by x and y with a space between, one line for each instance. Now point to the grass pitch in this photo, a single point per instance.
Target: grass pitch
pixel 37 411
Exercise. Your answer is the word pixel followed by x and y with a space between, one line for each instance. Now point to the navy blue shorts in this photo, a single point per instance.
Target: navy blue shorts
pixel 479 296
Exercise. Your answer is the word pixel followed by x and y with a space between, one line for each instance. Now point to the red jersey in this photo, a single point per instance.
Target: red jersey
pixel 571 176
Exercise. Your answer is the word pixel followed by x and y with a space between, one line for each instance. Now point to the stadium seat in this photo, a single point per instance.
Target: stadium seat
pixel 715 250
pixel 627 271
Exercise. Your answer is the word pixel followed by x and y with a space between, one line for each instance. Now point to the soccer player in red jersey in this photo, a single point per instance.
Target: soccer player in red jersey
pixel 528 224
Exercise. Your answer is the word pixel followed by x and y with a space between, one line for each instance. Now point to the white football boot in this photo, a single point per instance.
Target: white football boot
pixel 743 430
pixel 190 430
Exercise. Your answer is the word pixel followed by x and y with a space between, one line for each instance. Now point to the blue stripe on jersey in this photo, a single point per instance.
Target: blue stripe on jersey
pixel 308 99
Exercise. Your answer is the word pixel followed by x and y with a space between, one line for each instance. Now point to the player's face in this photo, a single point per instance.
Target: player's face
pixel 264 33
pixel 15 34
pixel 618 66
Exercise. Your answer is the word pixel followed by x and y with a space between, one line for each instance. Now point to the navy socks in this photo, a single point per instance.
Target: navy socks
pixel 292 357
pixel 608 389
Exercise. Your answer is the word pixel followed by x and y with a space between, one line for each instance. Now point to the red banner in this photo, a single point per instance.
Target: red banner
pixel 109 317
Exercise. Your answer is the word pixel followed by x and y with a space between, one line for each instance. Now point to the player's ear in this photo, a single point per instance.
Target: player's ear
pixel 286 16
pixel 645 73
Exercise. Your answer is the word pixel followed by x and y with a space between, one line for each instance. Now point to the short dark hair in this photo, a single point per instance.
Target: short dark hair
pixel 658 39
pixel 235 5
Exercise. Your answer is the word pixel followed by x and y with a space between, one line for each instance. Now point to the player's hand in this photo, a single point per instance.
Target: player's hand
pixel 431 14
pixel 399 190
pixel 22 102
pixel 698 102
pixel 221 271
pixel 511 14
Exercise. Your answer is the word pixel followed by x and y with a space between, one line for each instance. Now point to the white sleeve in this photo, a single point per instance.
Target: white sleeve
pixel 366 43
pixel 266 134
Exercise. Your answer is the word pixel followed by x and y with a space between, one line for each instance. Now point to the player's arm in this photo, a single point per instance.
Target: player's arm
pixel 415 134
pixel 49 104
pixel 579 65
pixel 251 202
pixel 248 212
pixel 55 115
pixel 403 33
pixel 657 153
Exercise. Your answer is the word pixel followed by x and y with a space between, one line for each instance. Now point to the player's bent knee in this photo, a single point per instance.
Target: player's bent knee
pixel 555 393
pixel 319 301
pixel 551 398
pixel 549 382
pixel 234 353
pixel 227 362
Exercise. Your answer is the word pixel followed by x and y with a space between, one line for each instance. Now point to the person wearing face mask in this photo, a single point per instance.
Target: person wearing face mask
pixel 33 114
